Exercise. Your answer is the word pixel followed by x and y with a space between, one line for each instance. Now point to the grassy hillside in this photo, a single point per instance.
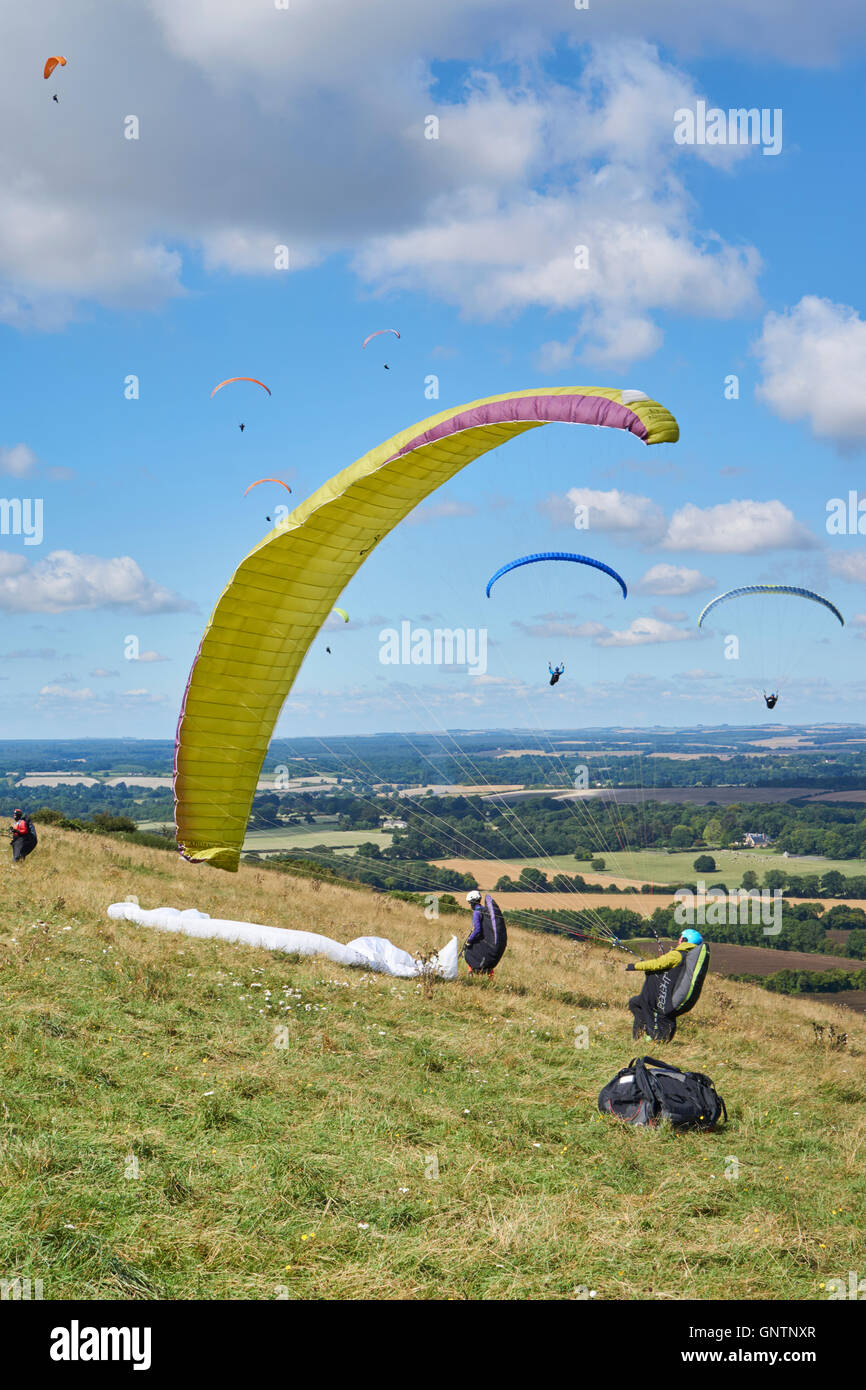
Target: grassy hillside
pixel 311 1167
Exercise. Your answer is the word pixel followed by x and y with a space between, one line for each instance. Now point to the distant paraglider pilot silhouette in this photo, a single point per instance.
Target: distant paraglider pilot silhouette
pixel 770 699
pixel 555 672
pixel 23 836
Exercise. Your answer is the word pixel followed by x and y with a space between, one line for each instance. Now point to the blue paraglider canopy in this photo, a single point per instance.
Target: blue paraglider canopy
pixel 558 555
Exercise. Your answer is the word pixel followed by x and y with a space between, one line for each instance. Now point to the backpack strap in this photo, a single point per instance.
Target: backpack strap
pixel 663 1066
pixel 643 1078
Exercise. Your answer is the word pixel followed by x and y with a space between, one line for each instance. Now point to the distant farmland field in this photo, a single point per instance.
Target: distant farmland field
pixel 657 866
pixel 700 796
pixel 304 837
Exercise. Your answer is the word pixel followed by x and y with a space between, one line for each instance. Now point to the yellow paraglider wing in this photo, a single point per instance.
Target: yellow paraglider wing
pixel 281 594
pixel 341 612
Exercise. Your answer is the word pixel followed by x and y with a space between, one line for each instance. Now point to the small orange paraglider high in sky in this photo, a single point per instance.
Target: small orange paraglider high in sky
pixel 51 64
pixel 228 381
pixel 259 481
pixel 267 480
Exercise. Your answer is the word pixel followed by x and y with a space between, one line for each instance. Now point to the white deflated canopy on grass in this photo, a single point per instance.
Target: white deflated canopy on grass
pixel 368 952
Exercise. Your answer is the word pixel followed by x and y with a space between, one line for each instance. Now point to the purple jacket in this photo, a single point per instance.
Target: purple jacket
pixel 477 923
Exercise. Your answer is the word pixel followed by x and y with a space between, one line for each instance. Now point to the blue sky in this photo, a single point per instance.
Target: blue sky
pixel 155 258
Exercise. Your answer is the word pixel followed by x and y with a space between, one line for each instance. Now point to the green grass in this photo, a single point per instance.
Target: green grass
pixel 310 1166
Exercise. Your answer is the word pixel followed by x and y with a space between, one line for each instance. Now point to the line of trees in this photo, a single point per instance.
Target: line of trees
pixel 375 871
pixel 803 928
pixel 808 981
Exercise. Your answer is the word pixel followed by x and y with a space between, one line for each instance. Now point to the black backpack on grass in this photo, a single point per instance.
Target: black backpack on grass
pixel 647 1092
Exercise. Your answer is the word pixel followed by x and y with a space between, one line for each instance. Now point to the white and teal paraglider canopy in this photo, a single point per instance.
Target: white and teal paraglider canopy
pixel 763 590
pixel 775 633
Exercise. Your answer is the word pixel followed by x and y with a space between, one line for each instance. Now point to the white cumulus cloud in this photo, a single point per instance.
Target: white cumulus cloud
pixel 608 512
pixel 59 692
pixel 309 129
pixel 642 632
pixel 813 358
pixel 64 581
pixel 740 527
pixel 673 581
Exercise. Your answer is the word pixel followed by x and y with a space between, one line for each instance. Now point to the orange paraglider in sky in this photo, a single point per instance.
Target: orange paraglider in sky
pixel 51 64
pixel 267 480
pixel 230 379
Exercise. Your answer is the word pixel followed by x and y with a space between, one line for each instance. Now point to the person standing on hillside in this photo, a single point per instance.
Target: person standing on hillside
pixel 672 987
pixel 485 945
pixel 23 836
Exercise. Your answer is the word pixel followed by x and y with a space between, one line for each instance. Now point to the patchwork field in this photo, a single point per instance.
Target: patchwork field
pixel 304 837
pixel 658 866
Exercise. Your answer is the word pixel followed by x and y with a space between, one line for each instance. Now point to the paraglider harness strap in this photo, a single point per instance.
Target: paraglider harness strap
pixel 643 1078
pixel 641 1066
